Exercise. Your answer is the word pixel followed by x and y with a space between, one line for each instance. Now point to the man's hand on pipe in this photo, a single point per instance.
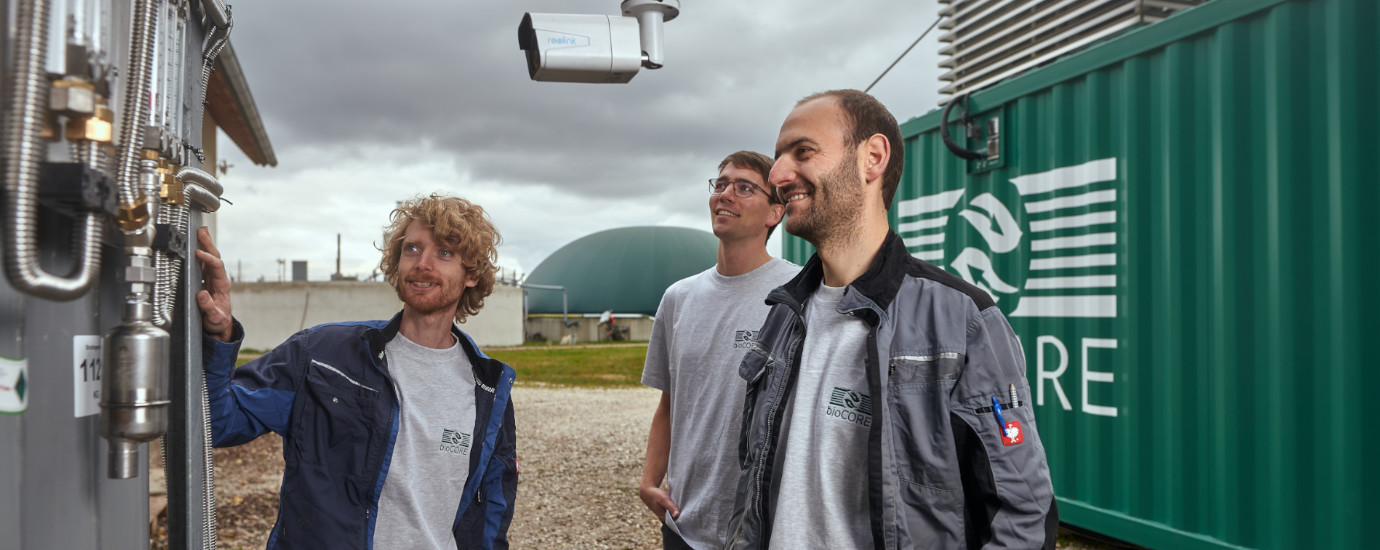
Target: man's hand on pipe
pixel 214 297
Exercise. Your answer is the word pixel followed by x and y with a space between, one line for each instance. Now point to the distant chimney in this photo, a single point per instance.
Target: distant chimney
pixel 337 256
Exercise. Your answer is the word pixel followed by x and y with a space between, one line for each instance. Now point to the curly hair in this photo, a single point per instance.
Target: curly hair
pixel 460 225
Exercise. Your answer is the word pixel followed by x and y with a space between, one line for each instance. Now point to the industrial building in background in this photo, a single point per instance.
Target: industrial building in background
pixel 107 149
pixel 274 311
pixel 603 286
pixel 271 311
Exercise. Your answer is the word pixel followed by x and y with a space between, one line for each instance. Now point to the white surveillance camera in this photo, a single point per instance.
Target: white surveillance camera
pixel 599 49
pixel 580 48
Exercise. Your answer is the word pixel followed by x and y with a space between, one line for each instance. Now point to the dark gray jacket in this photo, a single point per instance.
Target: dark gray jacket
pixel 939 473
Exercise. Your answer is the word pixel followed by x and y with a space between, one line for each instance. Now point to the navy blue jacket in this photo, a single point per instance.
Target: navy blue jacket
pixel 327 391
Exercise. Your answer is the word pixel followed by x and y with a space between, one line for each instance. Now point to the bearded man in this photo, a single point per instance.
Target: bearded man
pixel 873 415
pixel 396 433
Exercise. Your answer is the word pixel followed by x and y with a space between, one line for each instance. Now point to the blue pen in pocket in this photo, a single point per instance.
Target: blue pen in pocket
pixel 996 411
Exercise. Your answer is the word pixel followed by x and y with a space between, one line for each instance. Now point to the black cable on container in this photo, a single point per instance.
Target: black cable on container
pixel 953 146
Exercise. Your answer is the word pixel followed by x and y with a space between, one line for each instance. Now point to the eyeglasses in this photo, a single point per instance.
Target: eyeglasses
pixel 741 188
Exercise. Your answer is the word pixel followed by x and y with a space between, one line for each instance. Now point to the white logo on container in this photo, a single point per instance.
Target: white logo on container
pixel 1059 240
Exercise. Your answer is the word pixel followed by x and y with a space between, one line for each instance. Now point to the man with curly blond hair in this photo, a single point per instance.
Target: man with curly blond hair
pixel 397 433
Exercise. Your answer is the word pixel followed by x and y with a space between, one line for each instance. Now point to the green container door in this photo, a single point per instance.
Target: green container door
pixel 1177 230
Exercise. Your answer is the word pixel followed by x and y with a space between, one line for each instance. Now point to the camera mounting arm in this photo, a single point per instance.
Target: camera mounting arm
pixel 650 15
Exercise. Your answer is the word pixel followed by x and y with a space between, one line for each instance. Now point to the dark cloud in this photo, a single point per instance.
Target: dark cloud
pixel 368 100
pixel 333 72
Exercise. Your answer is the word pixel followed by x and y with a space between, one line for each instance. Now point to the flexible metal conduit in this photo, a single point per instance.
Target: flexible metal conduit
pixel 204 191
pixel 22 149
pixel 202 179
pixel 217 11
pixel 176 215
pixel 202 198
pixel 168 267
pixel 136 107
pixel 219 14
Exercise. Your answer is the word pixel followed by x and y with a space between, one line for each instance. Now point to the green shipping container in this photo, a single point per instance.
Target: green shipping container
pixel 1175 227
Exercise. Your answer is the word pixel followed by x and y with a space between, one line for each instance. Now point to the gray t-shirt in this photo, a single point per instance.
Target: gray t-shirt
pixel 431 457
pixel 821 481
pixel 704 325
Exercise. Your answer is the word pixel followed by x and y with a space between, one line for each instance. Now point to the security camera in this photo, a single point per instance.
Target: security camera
pixel 580 48
pixel 602 49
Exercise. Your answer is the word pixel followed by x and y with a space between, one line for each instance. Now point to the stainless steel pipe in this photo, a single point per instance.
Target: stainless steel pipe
pixel 135 113
pixel 23 152
pixel 201 178
pixel 202 198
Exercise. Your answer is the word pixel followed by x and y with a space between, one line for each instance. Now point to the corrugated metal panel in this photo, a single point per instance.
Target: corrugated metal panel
pixel 990 40
pixel 1188 269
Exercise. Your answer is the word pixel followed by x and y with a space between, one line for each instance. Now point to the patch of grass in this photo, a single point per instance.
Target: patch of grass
pixel 586 367
pixel 552 343
pixel 596 366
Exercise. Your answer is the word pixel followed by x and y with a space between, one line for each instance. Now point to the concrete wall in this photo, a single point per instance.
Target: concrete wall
pixel 639 327
pixel 500 322
pixel 271 312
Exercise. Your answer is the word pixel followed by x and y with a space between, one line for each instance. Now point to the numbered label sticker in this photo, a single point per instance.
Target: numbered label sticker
pixel 86 375
pixel 14 385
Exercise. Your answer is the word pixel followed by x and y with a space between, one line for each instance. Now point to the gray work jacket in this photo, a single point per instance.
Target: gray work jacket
pixel 940 474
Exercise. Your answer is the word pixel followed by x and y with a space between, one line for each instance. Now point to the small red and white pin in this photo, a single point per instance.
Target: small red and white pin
pixel 1010 431
pixel 1011 434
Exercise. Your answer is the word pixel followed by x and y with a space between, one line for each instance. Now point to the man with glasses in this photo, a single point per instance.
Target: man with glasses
pixel 704 325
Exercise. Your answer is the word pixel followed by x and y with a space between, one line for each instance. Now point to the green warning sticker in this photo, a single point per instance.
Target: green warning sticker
pixel 14 385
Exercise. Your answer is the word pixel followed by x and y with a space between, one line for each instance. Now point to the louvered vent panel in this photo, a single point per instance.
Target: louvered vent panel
pixel 991 40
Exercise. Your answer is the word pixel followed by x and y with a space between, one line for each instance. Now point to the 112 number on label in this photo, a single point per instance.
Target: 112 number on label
pixel 86 375
pixel 90 369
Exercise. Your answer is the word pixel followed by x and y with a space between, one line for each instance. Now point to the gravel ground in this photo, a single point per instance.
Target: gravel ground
pixel 580 457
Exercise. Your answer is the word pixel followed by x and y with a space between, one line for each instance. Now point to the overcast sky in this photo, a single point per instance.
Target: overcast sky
pixel 367 103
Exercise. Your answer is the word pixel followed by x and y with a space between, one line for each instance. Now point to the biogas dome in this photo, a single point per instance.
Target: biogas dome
pixel 621 271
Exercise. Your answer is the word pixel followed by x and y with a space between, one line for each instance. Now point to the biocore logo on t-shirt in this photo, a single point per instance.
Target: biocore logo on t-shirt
pixel 455 442
pixel 850 406
pixel 745 338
